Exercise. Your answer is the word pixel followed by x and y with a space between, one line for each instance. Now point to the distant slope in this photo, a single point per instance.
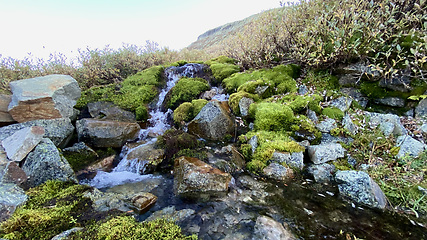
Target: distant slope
pixel 218 34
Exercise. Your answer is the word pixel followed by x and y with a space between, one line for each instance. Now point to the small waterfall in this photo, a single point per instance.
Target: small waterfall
pixel 128 169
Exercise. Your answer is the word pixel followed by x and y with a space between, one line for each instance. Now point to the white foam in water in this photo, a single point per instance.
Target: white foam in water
pixel 128 170
pixel 111 179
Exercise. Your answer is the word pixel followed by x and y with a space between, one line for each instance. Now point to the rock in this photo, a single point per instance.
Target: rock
pixel 278 172
pixel 399 83
pixel 208 95
pixel 11 197
pixel 58 130
pixel 423 128
pixel 229 159
pixel 302 89
pixel 260 90
pixel 326 125
pixel 391 101
pixel 244 105
pixel 192 176
pixel 46 163
pixel 105 164
pixel 322 172
pixel 312 116
pixel 65 235
pixel 294 160
pixel 48 97
pixel 213 122
pixel 5 117
pixel 342 103
pixel 348 124
pixel 325 152
pixel 144 201
pixel 106 201
pixel 328 138
pixel 80 155
pixel 409 147
pixel 267 228
pixel 361 188
pixel 359 70
pixel 421 109
pixel 109 111
pixel 12 173
pixel 254 143
pixel 147 156
pixel 171 213
pixel 80 148
pixel 356 95
pixel 389 123
pixel 101 133
pixel 23 141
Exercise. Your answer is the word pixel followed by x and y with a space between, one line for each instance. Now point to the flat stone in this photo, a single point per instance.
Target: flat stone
pixel 23 141
pixel 391 101
pixel 322 172
pixel 348 124
pixel 192 176
pixel 295 160
pixel 326 125
pixel 101 133
pixel 171 213
pixel 325 152
pixel 144 201
pixel 278 172
pixel 267 228
pixel 361 188
pixel 58 130
pixel 48 97
pixel 421 109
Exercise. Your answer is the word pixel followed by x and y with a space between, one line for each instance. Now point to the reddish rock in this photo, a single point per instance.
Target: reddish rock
pixel 144 201
pixel 12 173
pixel 5 117
pixel 193 176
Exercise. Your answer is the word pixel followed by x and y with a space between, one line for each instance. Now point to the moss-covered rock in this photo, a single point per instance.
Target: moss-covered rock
pixel 133 94
pixel 185 90
pixel 278 78
pixel 187 111
pixel 273 116
pixel 305 129
pixel 222 67
pixel 235 98
pixel 175 140
pixel 333 112
pixel 299 103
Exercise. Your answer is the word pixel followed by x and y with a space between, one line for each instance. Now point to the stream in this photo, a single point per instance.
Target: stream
pixel 310 210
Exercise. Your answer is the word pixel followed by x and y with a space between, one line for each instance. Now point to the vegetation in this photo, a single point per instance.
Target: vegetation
pixel 187 111
pixel 185 90
pixel 55 207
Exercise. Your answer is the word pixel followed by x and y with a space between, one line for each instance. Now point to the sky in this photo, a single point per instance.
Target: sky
pixel 46 26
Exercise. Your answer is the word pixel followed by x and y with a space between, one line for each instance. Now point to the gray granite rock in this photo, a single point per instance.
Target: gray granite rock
pixel 388 123
pixel 267 228
pixel 244 105
pixel 361 188
pixel 278 172
pixel 421 109
pixel 325 152
pixel 409 147
pixel 326 125
pixel 391 101
pixel 322 172
pixel 58 130
pixel 109 111
pixel 342 103
pixel 11 197
pixel 348 124
pixel 294 160
pixel 46 163
pixel 20 143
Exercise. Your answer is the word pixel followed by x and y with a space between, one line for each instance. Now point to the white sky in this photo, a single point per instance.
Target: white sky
pixel 41 27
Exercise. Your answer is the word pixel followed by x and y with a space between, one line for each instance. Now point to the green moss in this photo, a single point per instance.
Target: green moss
pixel 196 153
pixel 321 80
pixel 183 112
pixel 342 164
pixel 374 91
pixel 95 94
pixel 51 209
pixel 268 143
pixel 175 140
pixel 185 90
pixel 187 111
pixel 141 113
pixel 235 98
pixel 298 103
pixel 126 227
pixel 279 78
pixel 333 112
pixel 306 128
pixel 221 71
pixel 150 76
pixel 273 116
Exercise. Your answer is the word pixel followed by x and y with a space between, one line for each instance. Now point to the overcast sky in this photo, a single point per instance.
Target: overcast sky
pixel 44 26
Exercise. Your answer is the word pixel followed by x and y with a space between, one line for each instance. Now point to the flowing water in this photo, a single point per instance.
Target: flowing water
pixel 312 211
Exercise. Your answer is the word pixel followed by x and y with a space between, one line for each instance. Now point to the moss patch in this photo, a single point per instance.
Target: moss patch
pixel 175 140
pixel 273 116
pixel 222 67
pixel 333 112
pixel 187 111
pixel 78 161
pixel 185 90
pixel 321 80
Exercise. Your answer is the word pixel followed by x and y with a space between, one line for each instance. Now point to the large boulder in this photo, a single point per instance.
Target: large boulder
pixel 11 197
pixel 109 111
pixel 46 163
pixel 58 130
pixel 5 117
pixel 267 228
pixel 325 152
pixel 194 177
pixel 48 97
pixel 361 188
pixel 409 147
pixel 100 133
pixel 213 122
pixel 19 144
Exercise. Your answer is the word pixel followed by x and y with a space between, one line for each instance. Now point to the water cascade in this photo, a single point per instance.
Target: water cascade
pixel 128 170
